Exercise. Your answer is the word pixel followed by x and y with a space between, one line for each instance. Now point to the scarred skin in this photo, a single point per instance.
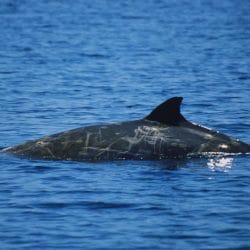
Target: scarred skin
pixel 139 139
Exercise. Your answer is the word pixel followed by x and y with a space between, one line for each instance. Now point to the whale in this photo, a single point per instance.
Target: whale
pixel 162 134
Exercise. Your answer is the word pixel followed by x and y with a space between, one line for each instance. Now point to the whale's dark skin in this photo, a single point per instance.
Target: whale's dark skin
pixel 163 134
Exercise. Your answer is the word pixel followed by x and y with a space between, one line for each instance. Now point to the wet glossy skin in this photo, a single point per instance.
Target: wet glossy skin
pixel 141 139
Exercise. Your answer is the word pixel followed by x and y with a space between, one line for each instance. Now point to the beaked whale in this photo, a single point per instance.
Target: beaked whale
pixel 163 134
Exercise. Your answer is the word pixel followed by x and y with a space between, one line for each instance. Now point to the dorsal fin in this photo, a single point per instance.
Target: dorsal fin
pixel 168 112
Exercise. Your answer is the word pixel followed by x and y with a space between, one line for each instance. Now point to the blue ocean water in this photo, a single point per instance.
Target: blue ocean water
pixel 66 64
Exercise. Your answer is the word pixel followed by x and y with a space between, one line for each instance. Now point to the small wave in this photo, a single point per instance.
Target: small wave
pixel 244 77
pixel 133 17
pixel 8 72
pixel 151 208
pixel 94 55
pixel 86 204
pixel 213 154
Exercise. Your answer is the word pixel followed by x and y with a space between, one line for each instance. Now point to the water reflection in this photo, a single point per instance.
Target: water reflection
pixel 220 164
